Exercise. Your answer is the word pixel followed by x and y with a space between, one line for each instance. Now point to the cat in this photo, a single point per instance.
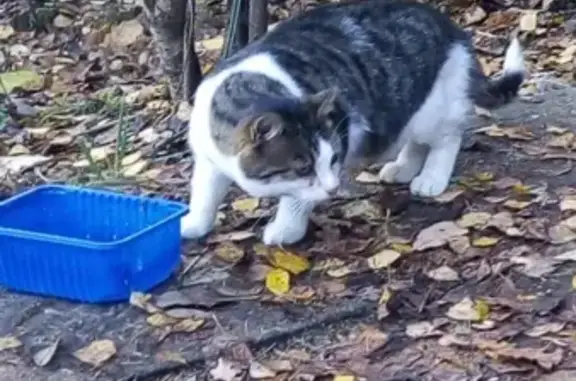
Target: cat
pixel 338 85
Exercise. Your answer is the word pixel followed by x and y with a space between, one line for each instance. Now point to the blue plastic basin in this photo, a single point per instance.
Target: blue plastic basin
pixel 87 245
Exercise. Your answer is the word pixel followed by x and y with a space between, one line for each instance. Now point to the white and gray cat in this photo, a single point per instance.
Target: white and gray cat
pixel 338 84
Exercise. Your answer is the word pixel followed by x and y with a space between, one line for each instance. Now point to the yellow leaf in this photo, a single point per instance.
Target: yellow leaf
pixel 402 248
pixel 25 79
pixel 344 378
pixel 278 281
pixel 574 283
pixel 517 205
pixel 367 178
pixel 485 241
pixel 229 252
pixel 475 220
pixel 168 356
pixel 386 295
pixel 289 261
pixel 9 342
pixel 213 43
pixel 159 320
pixel 521 189
pixel 484 176
pixel 482 308
pixel 188 325
pixel 97 353
pixel 383 259
pixel 246 204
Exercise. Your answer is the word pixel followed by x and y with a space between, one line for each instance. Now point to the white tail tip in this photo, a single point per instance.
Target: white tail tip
pixel 514 58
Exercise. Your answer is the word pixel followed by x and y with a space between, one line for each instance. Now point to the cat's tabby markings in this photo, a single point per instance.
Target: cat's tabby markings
pixel 334 87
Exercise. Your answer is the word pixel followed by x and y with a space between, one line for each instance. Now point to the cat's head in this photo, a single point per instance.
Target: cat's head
pixel 294 147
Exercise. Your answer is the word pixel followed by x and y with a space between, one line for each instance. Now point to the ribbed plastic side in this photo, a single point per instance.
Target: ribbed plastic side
pixel 118 256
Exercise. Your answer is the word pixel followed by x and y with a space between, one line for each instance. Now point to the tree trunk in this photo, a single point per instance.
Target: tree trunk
pixel 172 26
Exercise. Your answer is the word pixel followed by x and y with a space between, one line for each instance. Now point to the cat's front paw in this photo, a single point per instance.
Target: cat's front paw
pixel 428 186
pixel 193 227
pixel 278 233
pixel 396 173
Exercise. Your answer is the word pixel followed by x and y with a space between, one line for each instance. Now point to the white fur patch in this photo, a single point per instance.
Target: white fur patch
pixel 514 58
pixel 432 137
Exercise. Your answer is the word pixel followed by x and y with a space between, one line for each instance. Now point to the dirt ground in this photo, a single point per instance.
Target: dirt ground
pixel 477 284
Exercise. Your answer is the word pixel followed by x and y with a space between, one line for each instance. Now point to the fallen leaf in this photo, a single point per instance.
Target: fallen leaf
pixel 142 301
pixel 370 340
pixel 512 132
pixel 517 205
pixel 544 329
pixel 258 371
pixel 528 21
pixel 485 241
pixel 546 360
pixel 483 309
pixel 124 34
pixel 188 325
pixel 563 141
pixel 278 281
pixel 15 165
pixel 289 261
pixel 246 205
pixel 97 352
pixel 169 356
pixel 437 235
pixel 24 79
pixel 383 303
pixel 459 245
pixel 383 259
pixel 344 378
pixel 535 266
pixel 421 330
pixel 45 355
pixel 226 371
pixel 9 342
pixel 448 196
pixel 229 252
pixel 568 202
pixel 464 310
pixel 62 21
pixel 475 220
pixel 443 273
pixel 563 232
pixel 6 31
pixel 213 43
pixel 402 248
pixel 350 268
pixel 236 236
pixel 159 320
pixel 474 15
pixel 574 283
pixel 301 293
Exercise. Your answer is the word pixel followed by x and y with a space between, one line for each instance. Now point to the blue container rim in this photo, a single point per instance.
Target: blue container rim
pixel 63 240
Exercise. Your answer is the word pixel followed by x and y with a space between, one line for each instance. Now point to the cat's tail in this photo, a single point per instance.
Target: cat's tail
pixel 492 93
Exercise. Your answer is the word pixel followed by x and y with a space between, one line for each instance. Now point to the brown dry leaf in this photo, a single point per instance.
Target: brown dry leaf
pixel 188 325
pixel 517 205
pixel 160 320
pixel 227 371
pixel 564 232
pixel 544 329
pixel 246 204
pixel 236 236
pixel 535 266
pixel 289 261
pixel 45 355
pixel 382 259
pixel 568 202
pixel 351 268
pixel 474 15
pixel 448 196
pixel 437 235
pixel 443 273
pixel 370 340
pixel 563 141
pixel 142 301
pixel 528 21
pixel 301 293
pixel 367 178
pixel 9 342
pixel 124 34
pixel 464 310
pixel 6 31
pixel 213 43
pixel 229 252
pixel 422 330
pixel 546 360
pixel 169 356
pixel 459 244
pixel 258 371
pixel 475 220
pixel 485 241
pixel 97 352
pixel 512 132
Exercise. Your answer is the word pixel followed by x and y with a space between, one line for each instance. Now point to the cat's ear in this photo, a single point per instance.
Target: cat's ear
pixel 323 102
pixel 264 127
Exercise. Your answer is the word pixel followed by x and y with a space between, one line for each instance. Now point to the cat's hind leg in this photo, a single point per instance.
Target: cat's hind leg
pixel 407 165
pixel 208 189
pixel 290 222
